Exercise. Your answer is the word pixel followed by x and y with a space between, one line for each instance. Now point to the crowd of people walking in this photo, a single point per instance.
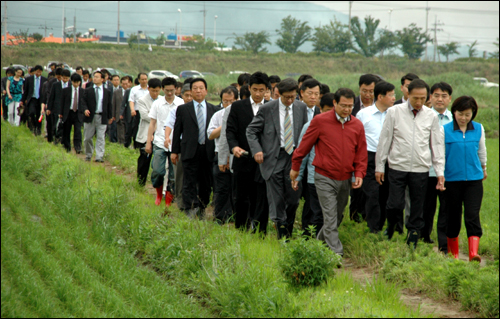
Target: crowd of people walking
pixel 270 142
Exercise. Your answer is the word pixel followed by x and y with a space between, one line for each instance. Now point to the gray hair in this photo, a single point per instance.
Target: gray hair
pixel 186 87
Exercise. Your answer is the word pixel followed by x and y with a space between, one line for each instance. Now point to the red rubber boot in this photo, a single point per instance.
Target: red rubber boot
pixel 453 247
pixel 169 197
pixel 159 195
pixel 473 248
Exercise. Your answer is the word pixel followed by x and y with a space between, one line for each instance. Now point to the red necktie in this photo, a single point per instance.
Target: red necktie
pixel 414 112
pixel 75 101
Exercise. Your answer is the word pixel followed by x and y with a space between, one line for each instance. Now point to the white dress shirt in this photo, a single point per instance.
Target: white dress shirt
pixel 282 109
pixel 160 111
pixel 136 93
pixel 256 106
pixel 98 108
pixel 73 89
pixel 216 122
pixel 372 120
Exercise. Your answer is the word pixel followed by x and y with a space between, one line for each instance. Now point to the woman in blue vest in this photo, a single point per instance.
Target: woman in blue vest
pixel 464 172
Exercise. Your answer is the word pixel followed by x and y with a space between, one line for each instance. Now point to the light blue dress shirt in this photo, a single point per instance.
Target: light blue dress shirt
pixel 310 113
pixel 372 120
pixel 444 118
pixel 308 160
pixel 98 108
pixel 203 109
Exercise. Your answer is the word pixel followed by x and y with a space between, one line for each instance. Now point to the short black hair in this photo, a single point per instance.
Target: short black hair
pixel 79 68
pixel 243 79
pixel 125 77
pixel 113 76
pixel 368 79
pixel 382 87
pixel 10 71
pixel 141 73
pixel 464 103
pixel 154 83
pixel 288 85
pixel 309 84
pixel 102 75
pixel 345 92
pixel 230 89
pixel 75 77
pixel 304 77
pixel 327 100
pixel 234 84
pixel 443 86
pixel 409 76
pixel 418 84
pixel 17 69
pixel 136 81
pixel 66 73
pixel 50 75
pixel 104 71
pixel 198 80
pixel 85 72
pixel 244 92
pixel 324 89
pixel 178 84
pixel 168 81
pixel 58 71
pixel 130 78
pixel 258 78
pixel 188 81
pixel 274 79
pixel 53 64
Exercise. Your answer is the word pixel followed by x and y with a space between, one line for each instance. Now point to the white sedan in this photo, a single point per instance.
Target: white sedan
pixel 161 74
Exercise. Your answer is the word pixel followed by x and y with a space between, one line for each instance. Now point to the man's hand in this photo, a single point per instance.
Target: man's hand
pixel 132 112
pixel 167 141
pixel 295 185
pixel 121 117
pixel 47 112
pixel 357 183
pixel 149 147
pixel 222 168
pixel 60 116
pixel 294 175
pixel 110 120
pixel 440 183
pixel 379 177
pixel 174 158
pixel 485 174
pixel 238 151
pixel 87 113
pixel 259 157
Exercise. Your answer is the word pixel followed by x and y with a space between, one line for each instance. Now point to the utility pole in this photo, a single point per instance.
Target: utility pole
pixel 5 24
pixel 215 28
pixel 204 16
pixel 180 29
pixel 435 29
pixel 350 7
pixel 45 28
pixel 74 28
pixel 427 9
pixel 63 25
pixel 118 32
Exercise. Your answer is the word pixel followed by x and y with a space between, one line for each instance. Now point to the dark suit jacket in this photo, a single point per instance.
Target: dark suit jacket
pixel 30 88
pixel 89 103
pixel 66 103
pixel 398 101
pixel 187 125
pixel 125 107
pixel 117 104
pixel 357 105
pixel 46 95
pixel 55 97
pixel 263 133
pixel 89 85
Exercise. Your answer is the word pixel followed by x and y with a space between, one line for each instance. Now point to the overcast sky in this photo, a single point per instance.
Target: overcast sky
pixel 464 21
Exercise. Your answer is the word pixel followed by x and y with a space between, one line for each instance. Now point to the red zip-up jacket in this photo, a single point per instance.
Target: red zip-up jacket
pixel 340 148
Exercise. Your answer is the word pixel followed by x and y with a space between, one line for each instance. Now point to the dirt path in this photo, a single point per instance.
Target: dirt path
pixel 442 309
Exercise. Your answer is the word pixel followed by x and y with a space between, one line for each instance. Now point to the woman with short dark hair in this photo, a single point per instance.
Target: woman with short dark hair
pixel 465 171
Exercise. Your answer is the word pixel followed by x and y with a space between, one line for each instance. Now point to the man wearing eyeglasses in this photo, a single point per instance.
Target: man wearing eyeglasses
pixel 272 136
pixel 337 159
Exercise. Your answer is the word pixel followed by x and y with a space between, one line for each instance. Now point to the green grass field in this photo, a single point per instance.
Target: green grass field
pixel 80 241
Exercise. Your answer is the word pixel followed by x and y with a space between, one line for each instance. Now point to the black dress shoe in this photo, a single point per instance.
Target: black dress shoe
pixel 78 151
pixel 99 161
pixel 87 159
pixel 428 240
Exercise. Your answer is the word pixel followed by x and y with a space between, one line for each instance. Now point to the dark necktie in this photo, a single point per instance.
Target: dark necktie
pixel 414 112
pixel 75 101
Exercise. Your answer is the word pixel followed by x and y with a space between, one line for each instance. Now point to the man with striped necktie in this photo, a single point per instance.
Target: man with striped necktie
pixel 272 136
pixel 198 152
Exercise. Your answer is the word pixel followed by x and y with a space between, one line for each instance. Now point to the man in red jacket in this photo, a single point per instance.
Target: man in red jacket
pixel 341 154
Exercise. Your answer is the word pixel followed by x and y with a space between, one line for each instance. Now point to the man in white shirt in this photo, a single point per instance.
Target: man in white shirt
pixel 143 106
pixel 405 81
pixel 135 94
pixel 373 118
pixel 156 140
pixel 223 208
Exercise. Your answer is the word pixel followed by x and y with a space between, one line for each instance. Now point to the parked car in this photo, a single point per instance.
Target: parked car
pixel 205 74
pixel 190 74
pixel 15 66
pixel 114 71
pixel 484 82
pixel 236 72
pixel 65 66
pixel 161 74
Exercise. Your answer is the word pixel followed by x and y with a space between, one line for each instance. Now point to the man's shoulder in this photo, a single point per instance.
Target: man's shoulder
pixel 271 105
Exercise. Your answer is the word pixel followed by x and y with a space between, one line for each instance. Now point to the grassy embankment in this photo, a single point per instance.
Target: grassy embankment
pixel 72 234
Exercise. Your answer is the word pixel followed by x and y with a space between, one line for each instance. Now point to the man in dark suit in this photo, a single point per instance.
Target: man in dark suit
pixel 272 135
pixel 405 81
pixel 251 205
pixel 112 128
pixel 310 91
pixel 118 99
pixel 72 114
pixel 192 120
pixel 31 101
pixel 127 114
pixel 54 106
pixel 97 109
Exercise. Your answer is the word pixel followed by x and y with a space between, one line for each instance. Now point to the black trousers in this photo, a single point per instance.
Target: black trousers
pixel 306 209
pixel 128 133
pixel 143 163
pixel 223 193
pixel 417 183
pixel 72 121
pixel 376 196
pixel 197 182
pixel 470 194
pixel 357 205
pixel 316 214
pixel 34 108
pixel 52 121
pixel 430 204
pixel 112 132
pixel 5 108
pixel 136 120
